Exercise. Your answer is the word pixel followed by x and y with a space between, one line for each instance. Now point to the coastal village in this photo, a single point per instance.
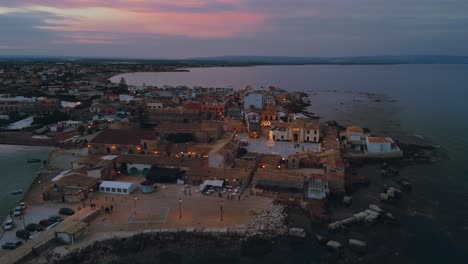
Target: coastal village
pixel 172 160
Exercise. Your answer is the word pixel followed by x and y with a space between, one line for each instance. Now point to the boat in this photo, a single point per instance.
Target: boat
pixel 33 160
pixel 17 191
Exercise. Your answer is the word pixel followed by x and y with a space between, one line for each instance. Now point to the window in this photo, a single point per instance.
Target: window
pixel 119 190
pixel 293 160
pixel 107 189
pixel 113 190
pixel 102 189
pixel 308 131
pixel 315 132
pixel 124 190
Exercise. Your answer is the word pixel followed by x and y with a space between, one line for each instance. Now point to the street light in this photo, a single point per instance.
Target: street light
pixel 90 197
pixel 135 200
pixel 221 210
pixel 180 208
pixel 42 188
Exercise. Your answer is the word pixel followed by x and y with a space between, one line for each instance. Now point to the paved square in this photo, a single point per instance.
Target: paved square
pixel 283 148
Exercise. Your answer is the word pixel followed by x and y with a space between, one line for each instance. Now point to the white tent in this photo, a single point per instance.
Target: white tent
pixel 211 183
pixel 117 187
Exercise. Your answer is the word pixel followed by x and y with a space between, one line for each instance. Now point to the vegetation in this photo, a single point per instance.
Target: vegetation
pixel 180 137
pixel 55 117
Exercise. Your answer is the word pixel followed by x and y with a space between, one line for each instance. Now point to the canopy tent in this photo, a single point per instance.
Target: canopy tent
pixel 211 183
pixel 117 187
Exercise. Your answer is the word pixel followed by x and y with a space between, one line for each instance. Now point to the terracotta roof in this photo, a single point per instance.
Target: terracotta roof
pixel 379 140
pixel 123 136
pixel 354 129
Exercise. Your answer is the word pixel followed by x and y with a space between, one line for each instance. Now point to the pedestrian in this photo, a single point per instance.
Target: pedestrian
pixel 106 210
pixel 111 208
pixel 102 208
pixel 189 192
pixel 112 198
pixel 106 198
pixel 238 197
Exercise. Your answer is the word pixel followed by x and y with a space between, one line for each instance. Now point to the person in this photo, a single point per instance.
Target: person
pixel 102 208
pixel 111 208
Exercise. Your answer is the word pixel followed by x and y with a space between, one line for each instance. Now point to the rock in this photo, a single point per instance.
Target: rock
pixel 269 223
pixel 374 207
pixel 347 200
pixel 297 232
pixel 358 246
pixel 360 216
pixel 334 246
pixel 384 197
pixel 371 219
pixel 321 239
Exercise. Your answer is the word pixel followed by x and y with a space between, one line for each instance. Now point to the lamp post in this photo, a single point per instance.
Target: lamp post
pixel 90 197
pixel 221 210
pixel 180 208
pixel 42 188
pixel 135 201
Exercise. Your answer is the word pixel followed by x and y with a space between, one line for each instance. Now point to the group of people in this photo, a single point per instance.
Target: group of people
pixel 107 209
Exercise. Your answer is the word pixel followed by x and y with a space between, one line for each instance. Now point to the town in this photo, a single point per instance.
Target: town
pixel 198 159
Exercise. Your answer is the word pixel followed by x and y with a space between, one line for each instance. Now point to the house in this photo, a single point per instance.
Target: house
pixel 154 106
pixel 254 100
pixel 381 145
pixel 354 138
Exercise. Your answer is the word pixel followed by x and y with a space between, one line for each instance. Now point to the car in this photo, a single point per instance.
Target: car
pixel 34 228
pixel 66 211
pixel 24 234
pixel 12 245
pixel 18 211
pixel 46 222
pixel 55 218
pixel 23 205
pixel 8 225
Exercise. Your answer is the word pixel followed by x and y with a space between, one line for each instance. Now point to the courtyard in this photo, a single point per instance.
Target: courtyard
pixel 283 148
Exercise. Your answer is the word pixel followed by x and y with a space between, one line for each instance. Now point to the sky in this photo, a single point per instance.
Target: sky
pixel 201 28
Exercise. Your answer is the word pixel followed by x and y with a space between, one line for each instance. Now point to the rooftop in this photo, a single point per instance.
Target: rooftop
pixel 123 136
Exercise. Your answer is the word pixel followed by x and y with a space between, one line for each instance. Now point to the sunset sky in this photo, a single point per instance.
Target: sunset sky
pixel 197 28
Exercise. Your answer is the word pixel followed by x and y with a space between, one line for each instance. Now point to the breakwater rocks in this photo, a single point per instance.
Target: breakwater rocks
pixel 166 246
pixel 269 223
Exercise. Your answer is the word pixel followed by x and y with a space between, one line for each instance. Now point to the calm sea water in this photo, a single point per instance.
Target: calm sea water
pixel 16 173
pixel 419 103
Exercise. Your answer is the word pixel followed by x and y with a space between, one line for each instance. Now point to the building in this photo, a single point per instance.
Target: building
pixel 216 108
pixel 223 154
pixel 116 187
pixel 118 141
pixel 154 106
pixel 353 138
pixel 381 145
pixel 204 131
pixel 70 233
pixel 254 100
pixel 298 131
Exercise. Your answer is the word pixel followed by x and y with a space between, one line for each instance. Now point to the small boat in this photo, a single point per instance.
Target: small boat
pixel 33 160
pixel 17 191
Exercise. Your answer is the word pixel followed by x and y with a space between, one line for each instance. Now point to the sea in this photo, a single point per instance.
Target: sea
pixel 423 104
pixel 16 173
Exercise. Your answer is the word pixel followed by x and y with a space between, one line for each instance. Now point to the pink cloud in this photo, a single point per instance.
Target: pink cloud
pixel 195 25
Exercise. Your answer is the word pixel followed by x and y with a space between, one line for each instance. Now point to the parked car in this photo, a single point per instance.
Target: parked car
pixel 34 227
pixel 18 211
pixel 23 234
pixel 8 225
pixel 66 211
pixel 23 205
pixel 46 222
pixel 55 218
pixel 12 245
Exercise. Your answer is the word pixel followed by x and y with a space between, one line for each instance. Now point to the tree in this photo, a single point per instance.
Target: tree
pixel 81 129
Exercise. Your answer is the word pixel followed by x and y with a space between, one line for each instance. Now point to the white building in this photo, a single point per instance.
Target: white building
pixel 254 100
pixel 381 145
pixel 116 187
pixel 154 106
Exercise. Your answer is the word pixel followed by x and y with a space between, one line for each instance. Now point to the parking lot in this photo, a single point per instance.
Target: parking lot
pixel 31 214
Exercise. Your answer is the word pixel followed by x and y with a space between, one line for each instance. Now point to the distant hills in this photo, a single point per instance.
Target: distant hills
pixel 419 59
pixel 256 60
